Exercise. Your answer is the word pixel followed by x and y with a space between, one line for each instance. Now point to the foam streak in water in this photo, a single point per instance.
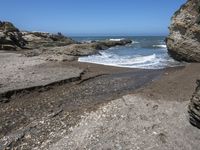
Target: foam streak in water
pixel 160 46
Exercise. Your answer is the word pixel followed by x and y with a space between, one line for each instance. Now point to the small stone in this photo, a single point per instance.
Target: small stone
pixel 155 107
pixel 162 137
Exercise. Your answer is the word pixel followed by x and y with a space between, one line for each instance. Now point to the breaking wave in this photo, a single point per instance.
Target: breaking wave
pixel 160 46
pixel 145 62
pixel 116 39
pixel 143 52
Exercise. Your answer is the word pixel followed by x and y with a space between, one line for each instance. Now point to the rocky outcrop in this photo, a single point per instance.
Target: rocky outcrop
pixel 194 107
pixel 53 46
pixel 80 49
pixel 43 39
pixel 10 37
pixel 183 41
pixel 94 47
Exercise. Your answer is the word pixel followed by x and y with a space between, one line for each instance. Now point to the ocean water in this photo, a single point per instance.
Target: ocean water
pixel 145 52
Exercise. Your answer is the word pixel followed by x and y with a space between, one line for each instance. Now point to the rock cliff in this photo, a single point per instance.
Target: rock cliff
pixel 194 107
pixel 183 44
pixel 183 41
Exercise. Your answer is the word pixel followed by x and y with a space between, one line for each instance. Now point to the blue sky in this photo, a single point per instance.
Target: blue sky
pixel 91 17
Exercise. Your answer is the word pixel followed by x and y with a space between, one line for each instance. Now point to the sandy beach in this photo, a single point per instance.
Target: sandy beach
pixel 124 80
pixel 151 117
pixel 40 117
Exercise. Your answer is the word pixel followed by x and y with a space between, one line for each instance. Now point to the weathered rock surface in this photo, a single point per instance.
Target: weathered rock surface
pixel 43 39
pixel 10 37
pixel 73 51
pixel 184 40
pixel 55 47
pixel 81 49
pixel 194 107
pixel 184 44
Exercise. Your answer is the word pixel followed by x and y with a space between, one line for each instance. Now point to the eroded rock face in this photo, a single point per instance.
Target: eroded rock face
pixel 43 39
pixel 53 46
pixel 81 49
pixel 184 40
pixel 93 48
pixel 194 107
pixel 10 37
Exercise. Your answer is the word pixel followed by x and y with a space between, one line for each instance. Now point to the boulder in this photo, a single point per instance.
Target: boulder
pixel 194 107
pixel 10 37
pixel 183 42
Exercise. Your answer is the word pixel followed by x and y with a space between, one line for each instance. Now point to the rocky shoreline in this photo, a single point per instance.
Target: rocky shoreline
pixel 34 53
pixel 55 47
pixel 37 62
pixel 48 100
pixel 41 115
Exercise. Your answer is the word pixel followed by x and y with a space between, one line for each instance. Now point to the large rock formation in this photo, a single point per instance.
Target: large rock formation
pixel 183 44
pixel 93 48
pixel 194 107
pixel 184 40
pixel 52 46
pixel 80 49
pixel 43 39
pixel 10 37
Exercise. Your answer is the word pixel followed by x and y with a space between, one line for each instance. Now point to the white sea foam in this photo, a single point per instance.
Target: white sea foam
pixel 116 39
pixel 134 56
pixel 135 42
pixel 160 46
pixel 86 41
pixel 137 60
pixel 145 62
